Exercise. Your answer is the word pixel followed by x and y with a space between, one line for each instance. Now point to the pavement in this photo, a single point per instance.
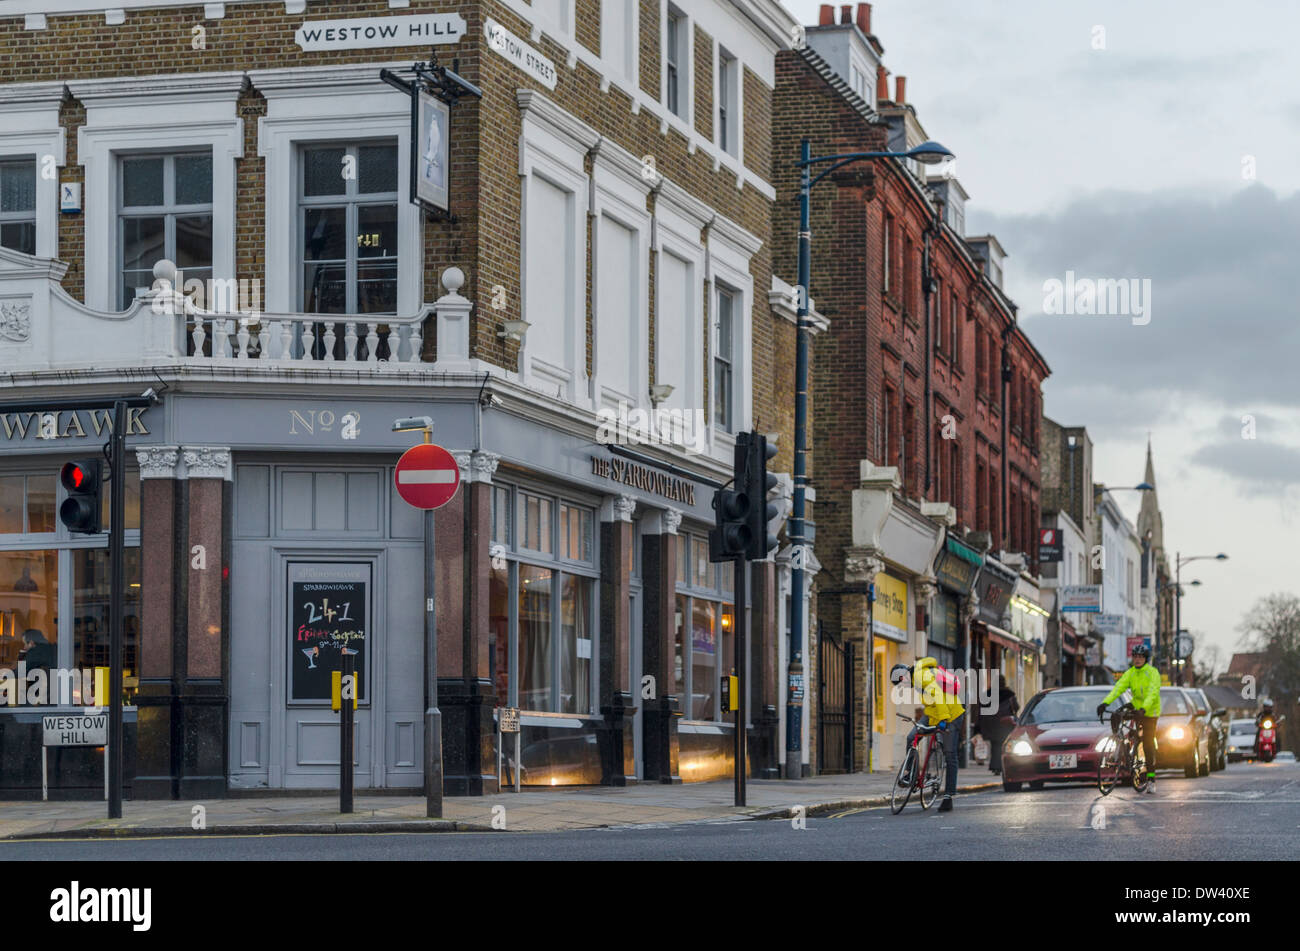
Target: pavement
pixel 542 810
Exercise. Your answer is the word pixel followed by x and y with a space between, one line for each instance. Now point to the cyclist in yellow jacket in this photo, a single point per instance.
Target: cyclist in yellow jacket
pixel 939 692
pixel 1144 681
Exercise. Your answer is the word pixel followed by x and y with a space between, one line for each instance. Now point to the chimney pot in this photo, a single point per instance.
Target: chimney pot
pixel 864 18
pixel 882 84
pixel 826 16
pixel 846 14
pixel 900 87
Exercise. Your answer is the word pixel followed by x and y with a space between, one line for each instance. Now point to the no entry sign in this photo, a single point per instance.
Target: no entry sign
pixel 427 476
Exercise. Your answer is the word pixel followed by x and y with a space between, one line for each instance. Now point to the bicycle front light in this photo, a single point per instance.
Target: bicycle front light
pixel 1022 748
pixel 1105 744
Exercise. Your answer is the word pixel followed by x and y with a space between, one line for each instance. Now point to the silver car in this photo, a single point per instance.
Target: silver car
pixel 1241 740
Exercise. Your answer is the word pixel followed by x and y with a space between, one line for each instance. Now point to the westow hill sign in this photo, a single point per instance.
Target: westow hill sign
pixel 316 36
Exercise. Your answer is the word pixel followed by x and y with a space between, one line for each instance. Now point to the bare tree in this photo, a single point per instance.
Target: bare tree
pixel 1272 628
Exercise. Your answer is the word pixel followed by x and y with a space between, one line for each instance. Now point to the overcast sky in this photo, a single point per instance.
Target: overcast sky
pixel 1169 155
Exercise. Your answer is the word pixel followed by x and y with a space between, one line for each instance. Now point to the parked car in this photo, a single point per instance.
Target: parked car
pixel 1241 739
pixel 1055 739
pixel 1218 728
pixel 1183 733
pixel 1286 756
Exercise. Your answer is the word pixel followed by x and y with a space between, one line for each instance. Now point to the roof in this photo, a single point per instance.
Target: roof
pixel 836 82
pixel 1227 697
pixel 1246 663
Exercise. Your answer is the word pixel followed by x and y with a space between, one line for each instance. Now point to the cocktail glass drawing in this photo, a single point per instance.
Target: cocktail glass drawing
pixel 312 653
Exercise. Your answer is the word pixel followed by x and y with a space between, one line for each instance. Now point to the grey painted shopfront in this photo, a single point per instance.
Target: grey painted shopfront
pixel 572 583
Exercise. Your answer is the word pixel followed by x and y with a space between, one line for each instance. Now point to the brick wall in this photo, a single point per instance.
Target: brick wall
pixel 702 90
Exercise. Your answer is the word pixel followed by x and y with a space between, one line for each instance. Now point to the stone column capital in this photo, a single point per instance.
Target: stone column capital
pixel 925 588
pixel 157 462
pixel 205 462
pixel 618 508
pixel 861 565
pixel 476 465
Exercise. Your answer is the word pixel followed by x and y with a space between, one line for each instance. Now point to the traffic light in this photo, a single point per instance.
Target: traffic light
pixel 80 510
pixel 730 537
pixel 754 482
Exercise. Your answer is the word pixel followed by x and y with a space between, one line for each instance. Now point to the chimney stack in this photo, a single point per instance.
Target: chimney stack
pixel 882 84
pixel 900 87
pixel 864 18
pixel 826 16
pixel 846 14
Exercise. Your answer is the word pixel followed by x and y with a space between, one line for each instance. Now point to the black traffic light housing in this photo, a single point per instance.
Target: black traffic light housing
pixel 742 513
pixel 80 511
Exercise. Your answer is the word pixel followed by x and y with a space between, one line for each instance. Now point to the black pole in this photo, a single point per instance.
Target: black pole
pixel 432 715
pixel 742 629
pixel 117 590
pixel 347 716
pixel 794 675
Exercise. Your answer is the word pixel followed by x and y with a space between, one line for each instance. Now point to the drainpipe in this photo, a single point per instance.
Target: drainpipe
pixel 928 286
pixel 1006 423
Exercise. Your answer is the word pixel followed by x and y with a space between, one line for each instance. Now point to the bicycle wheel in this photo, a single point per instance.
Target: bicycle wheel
pixel 1108 766
pixel 936 771
pixel 904 792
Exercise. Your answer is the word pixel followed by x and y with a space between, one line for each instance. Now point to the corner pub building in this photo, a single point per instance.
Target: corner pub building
pixel 606 251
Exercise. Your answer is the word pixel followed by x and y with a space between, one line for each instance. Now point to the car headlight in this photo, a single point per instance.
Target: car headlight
pixel 1022 748
pixel 1105 744
pixel 1176 733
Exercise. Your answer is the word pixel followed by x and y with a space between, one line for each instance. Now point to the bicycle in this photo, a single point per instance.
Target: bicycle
pixel 1122 757
pixel 929 779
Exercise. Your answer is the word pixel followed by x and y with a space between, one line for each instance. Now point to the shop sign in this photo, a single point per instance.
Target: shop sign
pixel 1081 598
pixel 994 590
pixel 955 572
pixel 889 612
pixel 1108 623
pixel 644 478
pixel 329 615
pixel 1049 545
pixel 316 36
pixel 520 53
pixel 943 620
pixel 67 424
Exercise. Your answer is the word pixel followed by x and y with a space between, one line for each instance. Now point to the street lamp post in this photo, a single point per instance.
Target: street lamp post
pixel 1179 561
pixel 930 153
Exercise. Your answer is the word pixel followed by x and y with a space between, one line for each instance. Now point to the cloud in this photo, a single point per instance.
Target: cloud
pixel 1253 463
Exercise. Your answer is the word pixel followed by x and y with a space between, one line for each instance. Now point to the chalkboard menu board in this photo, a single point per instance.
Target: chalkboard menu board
pixel 329 613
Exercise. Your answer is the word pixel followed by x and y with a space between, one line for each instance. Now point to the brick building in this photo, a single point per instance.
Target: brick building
pixel 606 251
pixel 926 397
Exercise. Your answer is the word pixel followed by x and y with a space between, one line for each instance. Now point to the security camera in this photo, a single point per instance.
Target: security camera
pixel 491 399
pixel 152 395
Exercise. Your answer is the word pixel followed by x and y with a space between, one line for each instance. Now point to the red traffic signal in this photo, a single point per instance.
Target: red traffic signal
pixel 80 512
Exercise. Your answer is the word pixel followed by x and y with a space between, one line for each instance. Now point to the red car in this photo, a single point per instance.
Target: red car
pixel 1055 739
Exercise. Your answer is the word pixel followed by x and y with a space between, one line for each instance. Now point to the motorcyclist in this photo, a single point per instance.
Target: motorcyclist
pixel 1144 681
pixel 1265 713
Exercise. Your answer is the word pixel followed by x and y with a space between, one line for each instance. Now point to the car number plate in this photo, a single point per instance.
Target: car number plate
pixel 1063 761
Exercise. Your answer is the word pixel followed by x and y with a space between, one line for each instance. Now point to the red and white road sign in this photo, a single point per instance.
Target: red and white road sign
pixel 427 476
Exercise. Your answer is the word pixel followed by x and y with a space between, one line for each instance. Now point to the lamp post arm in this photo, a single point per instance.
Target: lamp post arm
pixel 840 161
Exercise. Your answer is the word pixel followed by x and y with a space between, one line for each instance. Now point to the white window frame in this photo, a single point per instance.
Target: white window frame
pixel 553 146
pixel 730 251
pixel 23 216
pixel 679 219
pixel 331 105
pixel 685 65
pixel 629 80
pixel 619 191
pixel 728 85
pixel 169 114
pixel 29 128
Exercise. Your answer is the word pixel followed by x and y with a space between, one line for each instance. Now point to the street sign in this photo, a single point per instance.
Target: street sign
pixel 427 476
pixel 1049 545
pixel 74 730
pixel 509 720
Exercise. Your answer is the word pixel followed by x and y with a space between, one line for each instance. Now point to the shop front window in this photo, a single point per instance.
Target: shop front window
pixel 544 566
pixel 43 566
pixel 708 653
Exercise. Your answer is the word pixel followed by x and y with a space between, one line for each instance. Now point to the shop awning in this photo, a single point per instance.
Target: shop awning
pixel 964 551
pixel 998 636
